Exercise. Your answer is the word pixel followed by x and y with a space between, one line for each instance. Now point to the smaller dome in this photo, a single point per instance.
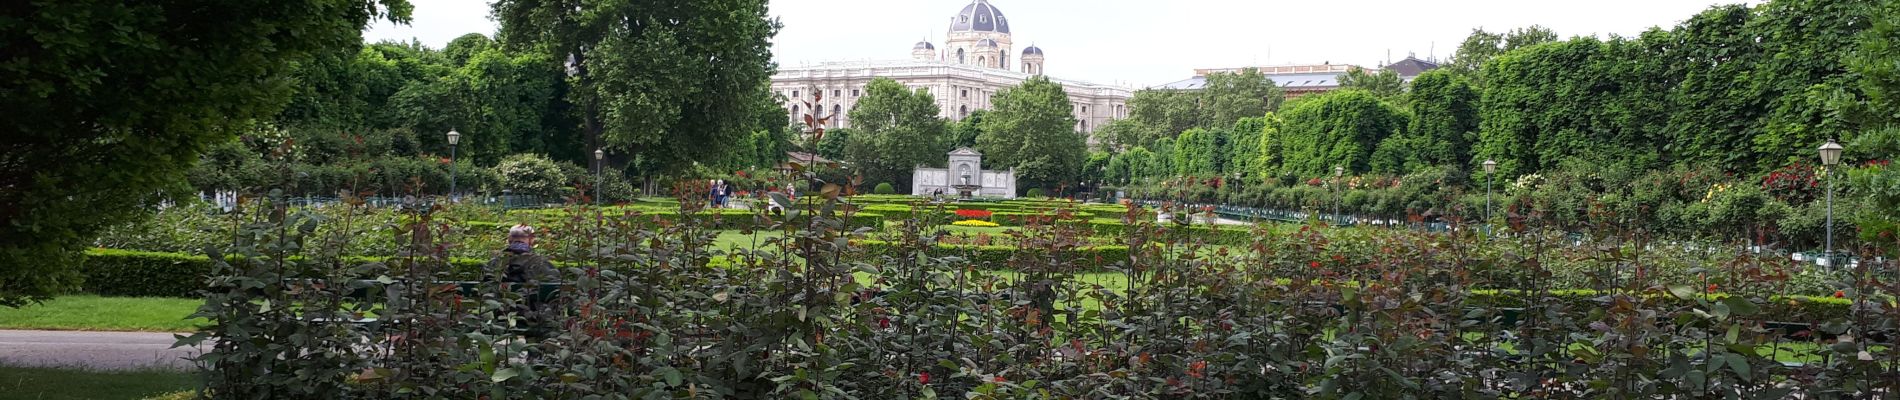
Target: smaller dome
pixel 924 46
pixel 986 43
pixel 1032 50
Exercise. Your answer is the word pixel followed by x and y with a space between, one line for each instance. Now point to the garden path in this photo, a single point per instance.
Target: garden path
pixel 103 351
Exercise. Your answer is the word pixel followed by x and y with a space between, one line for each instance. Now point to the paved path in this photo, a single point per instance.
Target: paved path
pixel 92 350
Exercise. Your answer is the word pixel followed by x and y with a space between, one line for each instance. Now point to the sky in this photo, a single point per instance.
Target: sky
pixel 1147 43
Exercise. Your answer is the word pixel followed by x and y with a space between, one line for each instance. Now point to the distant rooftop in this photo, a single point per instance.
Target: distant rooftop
pixel 855 68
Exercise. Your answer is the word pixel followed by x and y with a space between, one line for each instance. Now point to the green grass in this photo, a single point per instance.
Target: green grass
pixel 67 384
pixel 94 313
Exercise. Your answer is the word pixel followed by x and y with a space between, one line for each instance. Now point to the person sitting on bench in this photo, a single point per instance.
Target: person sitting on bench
pixel 522 270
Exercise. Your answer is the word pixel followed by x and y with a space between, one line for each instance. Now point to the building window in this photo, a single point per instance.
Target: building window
pixel 855 93
pixel 835 93
pixel 794 94
pixel 959 59
pixel 835 112
pixel 1085 109
pixel 794 112
pixel 1085 126
pixel 963 112
pixel 966 93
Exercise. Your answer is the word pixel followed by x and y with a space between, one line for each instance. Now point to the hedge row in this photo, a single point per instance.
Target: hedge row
pixel 733 219
pixel 112 272
pixel 1225 235
pixel 997 257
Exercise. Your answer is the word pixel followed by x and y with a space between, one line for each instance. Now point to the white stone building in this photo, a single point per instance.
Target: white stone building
pixel 964 169
pixel 975 62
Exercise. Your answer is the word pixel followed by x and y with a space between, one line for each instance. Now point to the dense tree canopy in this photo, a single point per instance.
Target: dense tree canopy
pixel 1444 121
pixel 1225 99
pixel 1382 83
pixel 1340 128
pixel 124 96
pixel 897 130
pixel 658 80
pixel 1032 129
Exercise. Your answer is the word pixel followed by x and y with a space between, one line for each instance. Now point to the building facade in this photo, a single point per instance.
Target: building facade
pixel 976 60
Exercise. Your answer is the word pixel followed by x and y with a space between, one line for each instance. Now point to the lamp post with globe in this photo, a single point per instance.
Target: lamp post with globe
pixel 1490 172
pixel 599 165
pixel 455 138
pixel 1830 157
pixel 1339 172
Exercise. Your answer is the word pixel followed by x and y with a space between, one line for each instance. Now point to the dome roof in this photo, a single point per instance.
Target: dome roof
pixel 925 45
pixel 1032 50
pixel 979 16
pixel 986 43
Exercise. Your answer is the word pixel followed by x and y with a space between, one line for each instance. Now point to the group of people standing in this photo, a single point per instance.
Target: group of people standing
pixel 720 193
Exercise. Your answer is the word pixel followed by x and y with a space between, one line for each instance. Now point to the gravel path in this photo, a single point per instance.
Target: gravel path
pixel 93 350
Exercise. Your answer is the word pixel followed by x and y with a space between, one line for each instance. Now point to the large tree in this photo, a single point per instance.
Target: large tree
pixel 898 130
pixel 1481 46
pixel 115 100
pixel 1230 96
pixel 667 82
pixel 1032 129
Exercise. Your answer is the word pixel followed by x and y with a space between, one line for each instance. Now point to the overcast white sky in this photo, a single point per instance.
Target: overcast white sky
pixel 1144 43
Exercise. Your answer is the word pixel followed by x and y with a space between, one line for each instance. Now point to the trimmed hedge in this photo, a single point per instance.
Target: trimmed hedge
pixel 113 272
pixel 997 257
pixel 720 219
pixel 1235 236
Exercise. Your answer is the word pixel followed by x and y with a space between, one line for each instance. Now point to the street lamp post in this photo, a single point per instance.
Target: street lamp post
pixel 1490 173
pixel 599 165
pixel 455 138
pixel 1830 156
pixel 1339 172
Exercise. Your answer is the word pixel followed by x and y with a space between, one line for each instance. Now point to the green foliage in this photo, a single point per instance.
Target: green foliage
pixel 1032 129
pixel 666 83
pixel 963 132
pixel 1444 121
pixel 119 107
pixel 1035 193
pixel 884 188
pixel 897 129
pixel 1383 83
pixel 1481 46
pixel 1229 97
pixel 1339 128
pixel 1580 99
pixel 1197 152
pixel 532 174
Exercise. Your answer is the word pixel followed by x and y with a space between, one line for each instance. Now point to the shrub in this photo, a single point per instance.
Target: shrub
pixel 531 174
pixel 1034 193
pixel 884 188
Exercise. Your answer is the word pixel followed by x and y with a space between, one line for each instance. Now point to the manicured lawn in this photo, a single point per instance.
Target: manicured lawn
pixel 94 313
pixel 67 384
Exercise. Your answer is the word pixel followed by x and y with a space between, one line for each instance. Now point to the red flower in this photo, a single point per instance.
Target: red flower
pixel 999 379
pixel 1313 265
pixel 1712 288
pixel 975 214
pixel 923 378
pixel 884 323
pixel 1840 294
